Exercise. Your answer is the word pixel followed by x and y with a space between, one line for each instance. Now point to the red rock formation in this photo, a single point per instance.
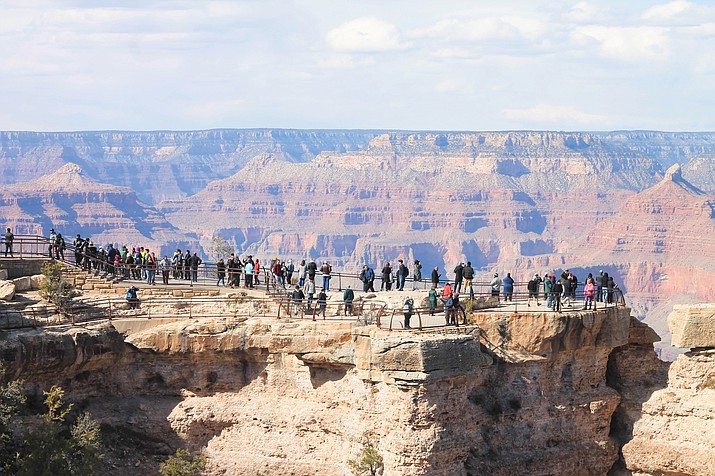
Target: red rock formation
pixel 71 202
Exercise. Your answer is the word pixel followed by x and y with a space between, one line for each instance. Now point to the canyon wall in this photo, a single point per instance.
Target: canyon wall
pixel 296 397
pixel 516 201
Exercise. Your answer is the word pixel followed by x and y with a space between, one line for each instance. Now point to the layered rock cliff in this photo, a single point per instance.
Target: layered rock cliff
pixel 520 201
pixel 674 436
pixel 527 396
pixel 70 201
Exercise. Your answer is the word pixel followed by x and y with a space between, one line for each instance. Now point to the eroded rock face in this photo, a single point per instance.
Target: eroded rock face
pixel 301 397
pixel 675 433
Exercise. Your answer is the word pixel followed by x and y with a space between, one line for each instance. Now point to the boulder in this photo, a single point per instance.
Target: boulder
pixel 37 281
pixel 7 290
pixel 22 284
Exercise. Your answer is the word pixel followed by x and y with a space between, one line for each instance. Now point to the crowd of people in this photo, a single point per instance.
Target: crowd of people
pixel 139 263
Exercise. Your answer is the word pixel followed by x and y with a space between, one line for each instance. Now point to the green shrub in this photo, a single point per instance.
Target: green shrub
pixel 55 289
pixel 369 462
pixel 183 463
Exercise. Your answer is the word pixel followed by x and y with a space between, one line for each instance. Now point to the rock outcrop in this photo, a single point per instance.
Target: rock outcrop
pixel 302 397
pixel 674 436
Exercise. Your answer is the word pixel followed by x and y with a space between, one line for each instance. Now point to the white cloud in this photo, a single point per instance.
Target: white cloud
pixel 473 30
pixel 345 61
pixel 629 44
pixel 450 53
pixel 551 114
pixel 365 35
pixel 667 11
pixel 582 12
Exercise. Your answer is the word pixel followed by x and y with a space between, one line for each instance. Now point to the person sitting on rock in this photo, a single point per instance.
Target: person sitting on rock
pixel 132 298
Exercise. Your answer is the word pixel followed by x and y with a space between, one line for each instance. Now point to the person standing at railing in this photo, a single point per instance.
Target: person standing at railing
pixel 289 269
pixel 610 286
pixel 565 287
pixel 187 268
pixel 165 269
pixel 176 263
pixel 598 282
pixel 407 308
pixel 221 272
pixel 302 271
pixel 194 262
pixel 78 249
pixel 248 266
pixel 150 268
pixel 468 274
pixel 326 270
pixel 417 276
pixel 312 269
pixel 367 276
pixel 348 298
pixel 386 277
pixel 91 257
pixel 549 282
pixel 8 239
pixel 231 266
pixel 556 291
pixel 309 291
pixel 533 288
pixel 117 264
pixel 495 285
pixel 604 288
pixel 458 277
pixel 111 253
pixel 508 282
pixel 432 300
pixel 322 302
pixel 435 277
pixel 53 242
pixel 402 273
pixel 277 271
pixel 256 272
pixel 297 299
pixel 588 291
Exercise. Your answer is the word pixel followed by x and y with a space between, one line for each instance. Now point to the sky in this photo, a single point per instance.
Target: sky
pixel 367 64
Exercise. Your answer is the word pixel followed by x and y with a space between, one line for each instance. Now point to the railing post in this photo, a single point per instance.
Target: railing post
pixel 419 320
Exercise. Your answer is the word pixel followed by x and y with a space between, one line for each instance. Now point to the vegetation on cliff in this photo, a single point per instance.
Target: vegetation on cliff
pixel 54 445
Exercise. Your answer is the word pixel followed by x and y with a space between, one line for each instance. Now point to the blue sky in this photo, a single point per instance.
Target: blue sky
pixel 403 64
